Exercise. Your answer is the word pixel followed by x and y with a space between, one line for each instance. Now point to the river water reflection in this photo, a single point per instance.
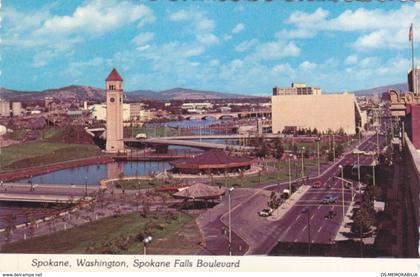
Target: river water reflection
pixel 92 174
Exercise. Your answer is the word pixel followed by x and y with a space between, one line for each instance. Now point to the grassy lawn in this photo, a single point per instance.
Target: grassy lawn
pixel 42 152
pixel 174 233
pixel 246 181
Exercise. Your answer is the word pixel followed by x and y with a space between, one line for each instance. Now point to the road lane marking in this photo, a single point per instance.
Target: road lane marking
pixel 312 216
pixel 304 228
pixel 319 229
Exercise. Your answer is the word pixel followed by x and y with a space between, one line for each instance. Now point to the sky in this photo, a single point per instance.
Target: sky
pixel 245 47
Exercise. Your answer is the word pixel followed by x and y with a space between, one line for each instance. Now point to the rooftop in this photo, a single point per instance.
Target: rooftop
pixel 114 76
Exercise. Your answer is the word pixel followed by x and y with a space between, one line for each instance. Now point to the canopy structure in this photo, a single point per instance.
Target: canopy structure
pixel 212 161
pixel 200 191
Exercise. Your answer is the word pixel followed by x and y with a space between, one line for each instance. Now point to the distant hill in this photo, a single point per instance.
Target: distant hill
pixel 181 94
pixel 82 93
pixel 379 90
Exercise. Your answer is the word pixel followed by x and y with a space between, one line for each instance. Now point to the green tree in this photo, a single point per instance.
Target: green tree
pixel 278 148
pixel 274 201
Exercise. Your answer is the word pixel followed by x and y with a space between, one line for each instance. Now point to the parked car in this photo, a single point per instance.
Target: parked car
pixel 265 212
pixel 317 184
pixel 329 199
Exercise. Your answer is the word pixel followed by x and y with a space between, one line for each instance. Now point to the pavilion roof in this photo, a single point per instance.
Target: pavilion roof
pixel 212 157
pixel 200 191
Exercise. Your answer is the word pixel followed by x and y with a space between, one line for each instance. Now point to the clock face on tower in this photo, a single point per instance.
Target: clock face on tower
pixel 112 99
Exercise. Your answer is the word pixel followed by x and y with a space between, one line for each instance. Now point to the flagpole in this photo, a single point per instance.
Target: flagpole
pixel 412 46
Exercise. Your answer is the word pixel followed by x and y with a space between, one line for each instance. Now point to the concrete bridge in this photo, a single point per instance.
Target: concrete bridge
pixel 187 143
pixel 232 136
pixel 239 115
pixel 45 193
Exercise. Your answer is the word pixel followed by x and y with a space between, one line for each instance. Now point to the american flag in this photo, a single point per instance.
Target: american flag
pixel 410 33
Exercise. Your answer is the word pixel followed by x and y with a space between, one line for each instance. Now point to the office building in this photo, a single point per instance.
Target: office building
pixel 297 89
pixel 323 112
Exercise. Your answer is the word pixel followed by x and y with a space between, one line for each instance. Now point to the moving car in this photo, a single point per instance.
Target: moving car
pixel 141 136
pixel 329 199
pixel 266 212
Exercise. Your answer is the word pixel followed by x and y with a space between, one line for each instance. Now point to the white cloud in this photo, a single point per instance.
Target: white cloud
pixel 96 18
pixel 283 68
pixel 207 39
pixel 179 16
pixel 246 45
pixel 276 50
pixel 352 59
pixel 227 37
pixel 52 36
pixel 377 28
pixel 307 66
pixel 238 28
pixel 143 38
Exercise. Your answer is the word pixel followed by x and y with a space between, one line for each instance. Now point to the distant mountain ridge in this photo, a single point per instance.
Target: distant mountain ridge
pixel 82 93
pixel 379 90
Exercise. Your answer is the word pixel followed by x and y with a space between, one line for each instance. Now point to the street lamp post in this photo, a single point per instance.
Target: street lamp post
pixel 342 188
pixel 308 213
pixel 373 174
pixel 303 170
pixel 317 149
pixel 358 169
pixel 290 176
pixel 86 185
pixel 333 147
pixel 230 222
pixel 147 240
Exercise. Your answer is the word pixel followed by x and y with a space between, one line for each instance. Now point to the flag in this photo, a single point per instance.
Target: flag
pixel 410 33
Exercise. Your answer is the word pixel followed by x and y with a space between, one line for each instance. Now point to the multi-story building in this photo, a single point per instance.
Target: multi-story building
pixel 16 108
pixel 4 108
pixel 297 89
pixel 135 109
pixel 412 124
pixel 98 111
pixel 323 112
pixel 48 100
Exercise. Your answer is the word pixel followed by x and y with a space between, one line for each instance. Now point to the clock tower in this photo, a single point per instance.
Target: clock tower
pixel 114 112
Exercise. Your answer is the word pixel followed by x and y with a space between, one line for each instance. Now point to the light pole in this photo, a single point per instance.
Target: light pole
pixel 342 188
pixel 317 150
pixel 373 175
pixel 86 185
pixel 147 240
pixel 377 141
pixel 333 147
pixel 290 176
pixel 230 223
pixel 303 170
pixel 358 169
pixel 307 211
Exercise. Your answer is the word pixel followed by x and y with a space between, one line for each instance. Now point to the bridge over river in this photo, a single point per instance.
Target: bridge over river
pixel 188 143
pixel 45 193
